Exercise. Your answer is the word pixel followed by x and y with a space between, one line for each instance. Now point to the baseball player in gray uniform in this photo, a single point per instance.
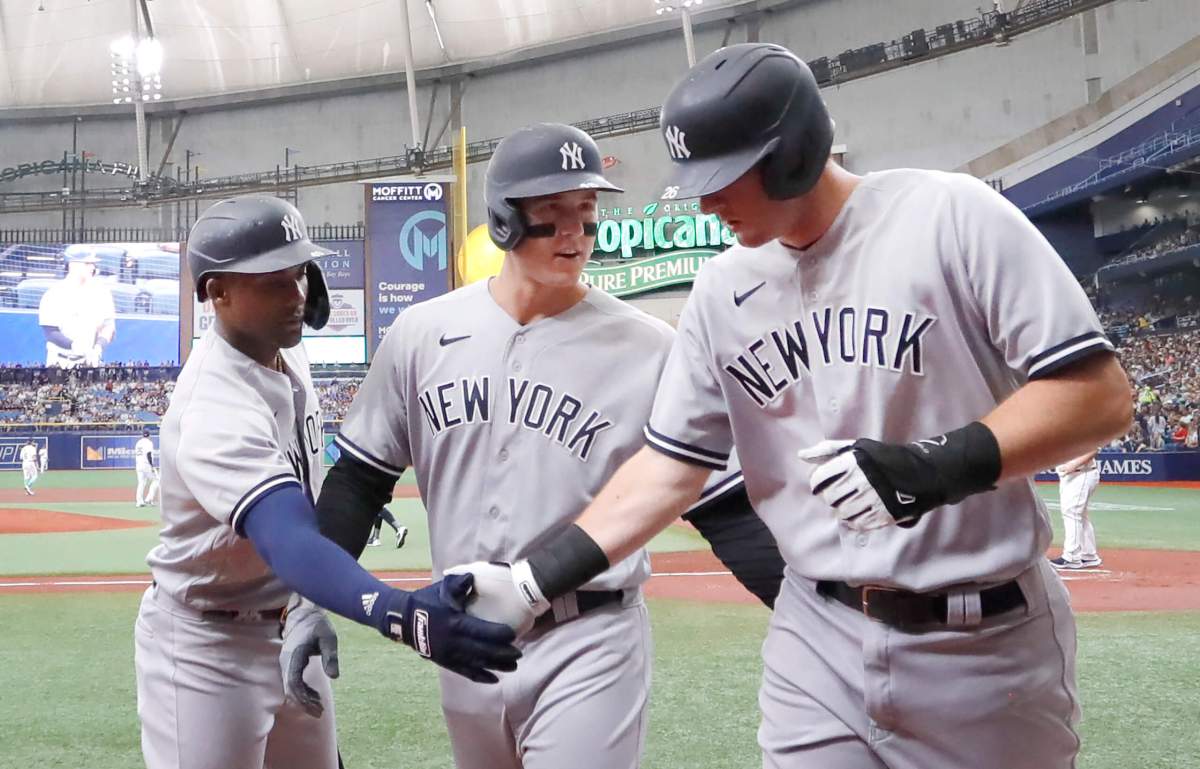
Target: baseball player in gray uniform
pixel 926 351
pixel 241 463
pixel 514 400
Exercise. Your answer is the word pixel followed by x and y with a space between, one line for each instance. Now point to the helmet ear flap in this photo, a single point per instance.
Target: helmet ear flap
pixel 796 162
pixel 506 225
pixel 316 305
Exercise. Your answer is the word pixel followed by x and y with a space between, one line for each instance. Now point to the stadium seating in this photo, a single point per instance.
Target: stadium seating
pixel 30 290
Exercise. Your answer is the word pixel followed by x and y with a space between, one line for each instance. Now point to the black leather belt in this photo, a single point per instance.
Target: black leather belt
pixel 586 601
pixel 232 615
pixel 905 610
pixel 229 615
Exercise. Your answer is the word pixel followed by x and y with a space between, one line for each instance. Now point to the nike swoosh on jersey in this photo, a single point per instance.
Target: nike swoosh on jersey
pixel 739 298
pixel 446 342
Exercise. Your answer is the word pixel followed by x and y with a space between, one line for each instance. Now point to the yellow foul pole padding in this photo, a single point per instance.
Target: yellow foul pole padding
pixel 460 204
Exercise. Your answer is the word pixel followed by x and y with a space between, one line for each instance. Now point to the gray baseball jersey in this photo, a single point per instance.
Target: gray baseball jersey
pixel 511 429
pixel 209 684
pixel 928 301
pixel 234 431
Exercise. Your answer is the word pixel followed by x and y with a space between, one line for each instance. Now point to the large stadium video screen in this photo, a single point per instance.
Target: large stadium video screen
pixel 89 304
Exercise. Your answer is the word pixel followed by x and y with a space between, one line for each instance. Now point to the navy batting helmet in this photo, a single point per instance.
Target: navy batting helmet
pixel 257 234
pixel 541 159
pixel 743 105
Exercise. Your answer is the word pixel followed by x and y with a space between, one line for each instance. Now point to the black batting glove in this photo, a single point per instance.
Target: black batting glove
pixel 870 484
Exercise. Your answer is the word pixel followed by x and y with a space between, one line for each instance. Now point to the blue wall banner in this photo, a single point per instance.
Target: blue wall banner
pixel 345 268
pixel 10 450
pixel 1145 466
pixel 407 249
pixel 109 452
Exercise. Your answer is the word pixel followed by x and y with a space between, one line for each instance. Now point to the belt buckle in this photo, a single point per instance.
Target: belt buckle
pixel 867 590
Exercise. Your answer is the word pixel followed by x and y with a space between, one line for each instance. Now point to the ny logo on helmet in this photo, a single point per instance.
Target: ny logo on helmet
pixel 572 156
pixel 293 228
pixel 676 144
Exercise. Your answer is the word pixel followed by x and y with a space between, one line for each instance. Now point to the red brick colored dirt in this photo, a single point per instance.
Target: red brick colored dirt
pixel 23 520
pixel 1130 580
pixel 59 496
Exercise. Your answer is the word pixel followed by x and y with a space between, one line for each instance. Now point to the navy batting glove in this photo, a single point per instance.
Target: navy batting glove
pixel 433 621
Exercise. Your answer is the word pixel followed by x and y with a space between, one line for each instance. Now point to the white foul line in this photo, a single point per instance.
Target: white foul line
pixel 118 582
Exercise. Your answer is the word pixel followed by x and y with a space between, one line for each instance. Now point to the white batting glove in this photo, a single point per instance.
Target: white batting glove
pixel 507 594
pixel 840 482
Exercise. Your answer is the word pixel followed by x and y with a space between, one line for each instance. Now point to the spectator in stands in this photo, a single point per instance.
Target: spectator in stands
pixel 120 398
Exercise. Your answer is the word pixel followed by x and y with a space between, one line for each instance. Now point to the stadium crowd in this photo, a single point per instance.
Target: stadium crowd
pixel 79 400
pixel 336 396
pixel 120 398
pixel 1164 370
pixel 1165 373
pixel 1184 232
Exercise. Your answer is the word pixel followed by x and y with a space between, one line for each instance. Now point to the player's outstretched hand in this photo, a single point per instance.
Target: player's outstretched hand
pixel 306 633
pixel 498 597
pixel 870 484
pixel 433 621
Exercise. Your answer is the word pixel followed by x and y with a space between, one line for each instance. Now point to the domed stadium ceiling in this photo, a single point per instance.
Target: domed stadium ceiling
pixel 59 52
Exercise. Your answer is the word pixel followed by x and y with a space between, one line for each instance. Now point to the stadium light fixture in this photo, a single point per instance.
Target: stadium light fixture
pixel 684 7
pixel 136 70
pixel 149 57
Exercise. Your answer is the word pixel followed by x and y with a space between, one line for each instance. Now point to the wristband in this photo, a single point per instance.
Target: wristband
pixel 566 563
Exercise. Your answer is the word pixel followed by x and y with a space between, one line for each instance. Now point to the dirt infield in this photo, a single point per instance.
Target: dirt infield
pixel 58 496
pixel 1129 580
pixel 23 520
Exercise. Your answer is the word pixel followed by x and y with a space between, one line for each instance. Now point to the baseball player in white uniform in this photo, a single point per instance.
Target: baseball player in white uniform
pixel 147 472
pixel 1077 480
pixel 513 400
pixel 29 466
pixel 241 464
pixel 43 459
pixel 77 314
pixel 926 351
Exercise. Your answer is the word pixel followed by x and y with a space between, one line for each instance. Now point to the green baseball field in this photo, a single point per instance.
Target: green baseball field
pixel 72 570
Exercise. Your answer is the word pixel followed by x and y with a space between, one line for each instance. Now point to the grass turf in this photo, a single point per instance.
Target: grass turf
pixel 71 695
pixel 123 551
pixel 1150 517
pixel 1125 516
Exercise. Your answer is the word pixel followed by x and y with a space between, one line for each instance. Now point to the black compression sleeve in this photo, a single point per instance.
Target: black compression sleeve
pixel 742 542
pixel 352 495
